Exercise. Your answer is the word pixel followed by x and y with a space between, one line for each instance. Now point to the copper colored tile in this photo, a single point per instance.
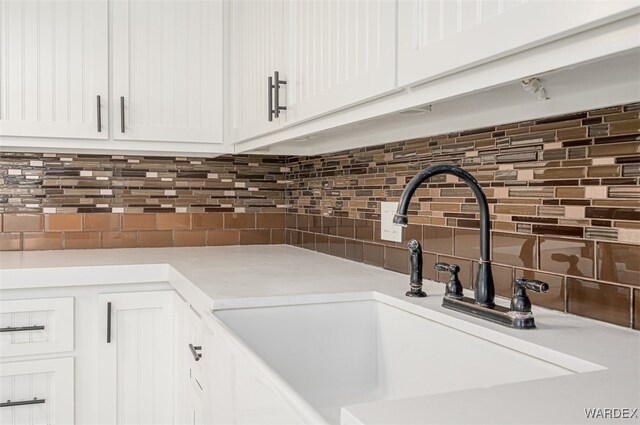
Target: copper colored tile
pixel 624 127
pixel 294 237
pixel 22 222
pixel 337 246
pixel 354 250
pixel 502 279
pixel 412 231
pixel 119 239
pixel 514 250
pixel 315 224
pixel 290 221
pixel 239 221
pixel 98 221
pixel 309 241
pixel 465 275
pixel 603 171
pixel 139 222
pixel 467 243
pixel 207 221
pixel 302 222
pixel 599 301
pixel 158 238
pixel 82 240
pixel 553 299
pixel 40 241
pixel 437 239
pixel 619 263
pixel 62 222
pixel 322 243
pixel 190 237
pixel 10 241
pixel 515 209
pixel 614 149
pixel 270 220
pixel 346 227
pixel 277 236
pixel 373 254
pixel 330 225
pixel 364 230
pixel 636 309
pixel 559 173
pixel 223 237
pixel 396 259
pixel 255 237
pixel 428 261
pixel 171 221
pixel 574 257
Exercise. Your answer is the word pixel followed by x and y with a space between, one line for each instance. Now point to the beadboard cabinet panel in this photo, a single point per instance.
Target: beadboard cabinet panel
pixel 342 53
pixel 167 70
pixel 436 38
pixel 53 67
pixel 257 48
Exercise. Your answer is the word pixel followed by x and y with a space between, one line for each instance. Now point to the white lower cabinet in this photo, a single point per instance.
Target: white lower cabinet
pixel 37 392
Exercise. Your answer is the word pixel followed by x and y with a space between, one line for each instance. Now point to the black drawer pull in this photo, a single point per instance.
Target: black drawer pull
pixel 10 403
pixel 194 351
pixel 22 328
pixel 109 322
pixel 99 112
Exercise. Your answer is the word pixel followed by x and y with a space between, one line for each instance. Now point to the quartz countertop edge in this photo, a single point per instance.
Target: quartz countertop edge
pixel 218 277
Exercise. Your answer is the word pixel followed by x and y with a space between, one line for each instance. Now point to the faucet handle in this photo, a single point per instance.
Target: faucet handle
pixel 520 302
pixel 454 287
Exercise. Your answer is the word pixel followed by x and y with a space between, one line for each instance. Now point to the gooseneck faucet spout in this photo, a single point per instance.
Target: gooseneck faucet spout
pixel 484 288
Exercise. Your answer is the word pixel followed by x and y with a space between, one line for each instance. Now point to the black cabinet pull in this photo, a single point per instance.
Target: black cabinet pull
pixel 276 94
pixel 270 97
pixel 22 328
pixel 109 322
pixel 10 403
pixel 99 113
pixel 194 351
pixel 122 114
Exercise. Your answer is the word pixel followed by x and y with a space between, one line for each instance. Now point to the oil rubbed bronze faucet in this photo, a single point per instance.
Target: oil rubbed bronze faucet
pixel 519 316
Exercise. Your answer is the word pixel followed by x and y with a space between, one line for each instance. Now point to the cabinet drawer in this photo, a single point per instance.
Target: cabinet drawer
pixel 36 326
pixel 37 392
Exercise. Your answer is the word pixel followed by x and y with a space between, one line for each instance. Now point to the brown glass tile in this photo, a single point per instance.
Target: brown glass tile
pixel 559 173
pixel 302 222
pixel 22 222
pixel 309 241
pixel 329 225
pixel 41 241
pixel 603 171
pixel 119 239
pixel 290 221
pixel 599 301
pixel 82 240
pixel 62 222
pixel 207 221
pixel 255 237
pixel 625 127
pixel 190 237
pixel 315 224
pixel 10 241
pixel 515 209
pixel 542 229
pixel 502 279
pixel 223 237
pixel 139 222
pixel 573 257
pixel 270 220
pixel 467 243
pixel 322 243
pixel 614 149
pixel 428 261
pixel 172 221
pixel 373 254
pixel 293 237
pixel 437 239
pixel 613 213
pixel 158 238
pixel 364 230
pixel 345 227
pixel 636 309
pixel 554 298
pixel 354 250
pixel 465 274
pixel 396 259
pixel 619 263
pixel 514 250
pixel 277 236
pixel 101 221
pixel 239 221
pixel 337 246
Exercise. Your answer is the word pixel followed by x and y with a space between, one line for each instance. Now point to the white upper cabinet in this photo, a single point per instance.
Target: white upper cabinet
pixel 53 68
pixel 257 49
pixel 342 52
pixel 167 70
pixel 436 38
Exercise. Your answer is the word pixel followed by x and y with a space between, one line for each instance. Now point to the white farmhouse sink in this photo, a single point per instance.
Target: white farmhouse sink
pixel 355 348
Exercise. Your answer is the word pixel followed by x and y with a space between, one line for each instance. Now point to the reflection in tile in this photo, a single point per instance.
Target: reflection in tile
pixel 337 246
pixel 467 243
pixel 619 263
pixel 515 250
pixel 600 301
pixel 553 299
pixel 373 254
pixel 396 259
pixel 322 243
pixel 574 257
pixel 428 261
pixel 465 274
pixel 502 279
pixel 354 250
pixel 437 239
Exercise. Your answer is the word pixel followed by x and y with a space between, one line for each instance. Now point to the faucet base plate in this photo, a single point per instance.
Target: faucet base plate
pixel 497 314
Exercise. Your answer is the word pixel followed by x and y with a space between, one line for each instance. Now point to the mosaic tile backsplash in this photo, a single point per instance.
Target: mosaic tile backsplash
pixel 563 191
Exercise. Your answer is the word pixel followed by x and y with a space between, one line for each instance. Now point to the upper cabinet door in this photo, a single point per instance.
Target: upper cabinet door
pixel 257 49
pixel 342 53
pixel 167 70
pixel 436 38
pixel 53 68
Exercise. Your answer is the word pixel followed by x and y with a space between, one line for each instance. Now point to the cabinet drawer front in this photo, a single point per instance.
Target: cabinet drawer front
pixel 36 326
pixel 37 392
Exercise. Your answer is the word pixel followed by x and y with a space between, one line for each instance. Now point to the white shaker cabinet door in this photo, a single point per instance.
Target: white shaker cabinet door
pixel 54 68
pixel 136 358
pixel 436 38
pixel 167 70
pixel 343 52
pixel 257 49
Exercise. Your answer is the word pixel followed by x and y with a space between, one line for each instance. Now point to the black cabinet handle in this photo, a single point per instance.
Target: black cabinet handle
pixel 10 403
pixel 270 97
pixel 194 351
pixel 99 113
pixel 122 114
pixel 22 328
pixel 276 93
pixel 109 322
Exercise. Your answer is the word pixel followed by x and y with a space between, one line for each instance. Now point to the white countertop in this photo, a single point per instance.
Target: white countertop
pixel 209 277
